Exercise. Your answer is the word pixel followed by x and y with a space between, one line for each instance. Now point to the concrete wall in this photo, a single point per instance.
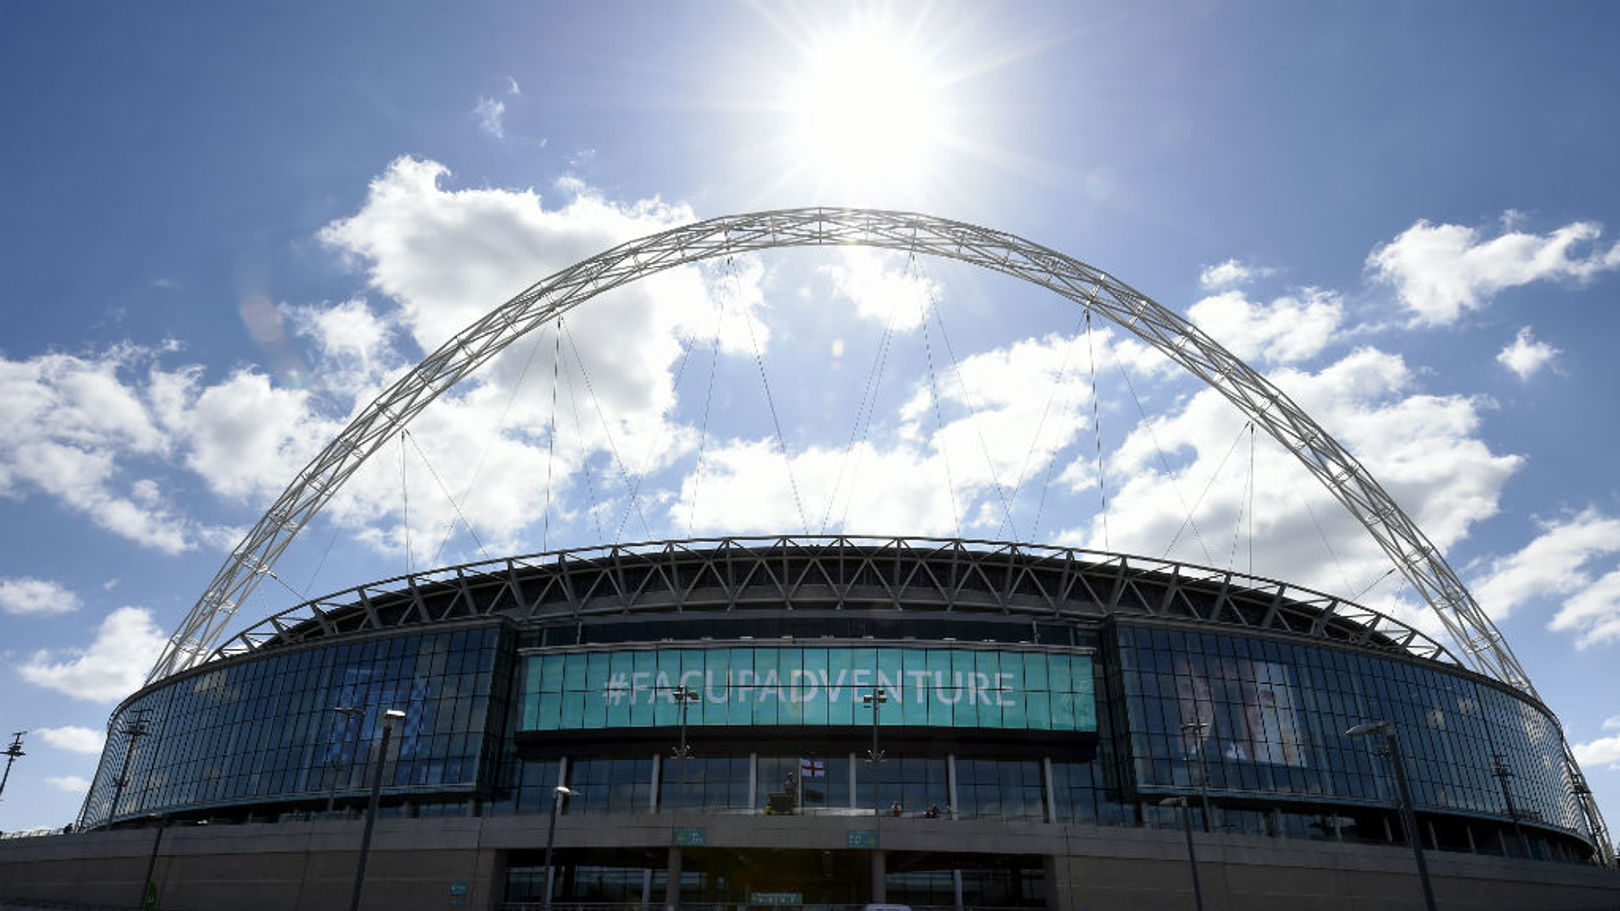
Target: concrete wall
pixel 311 865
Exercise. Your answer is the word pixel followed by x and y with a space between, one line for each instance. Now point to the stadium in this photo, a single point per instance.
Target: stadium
pixel 833 721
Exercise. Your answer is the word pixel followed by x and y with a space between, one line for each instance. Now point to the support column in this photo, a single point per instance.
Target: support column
pixel 956 886
pixel 672 885
pixel 657 777
pixel 950 784
pixel 880 890
pixel 1048 793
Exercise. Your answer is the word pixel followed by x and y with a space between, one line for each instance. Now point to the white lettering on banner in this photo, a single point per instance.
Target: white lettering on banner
pixel 708 688
pixel 1002 689
pixel 949 695
pixel 919 685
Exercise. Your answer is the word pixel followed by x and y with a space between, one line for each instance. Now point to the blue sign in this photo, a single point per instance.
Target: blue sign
pixel 1023 689
pixel 862 838
pixel 691 836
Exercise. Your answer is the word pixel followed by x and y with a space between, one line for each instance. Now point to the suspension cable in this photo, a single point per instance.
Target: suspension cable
pixel 1034 441
pixel 770 401
pixel 939 424
pixel 1245 500
pixel 1213 477
pixel 446 490
pixel 1096 430
pixel 703 429
pixel 652 445
pixel 579 435
pixel 551 431
pixel 1251 498
pixel 1164 461
pixel 973 413
pixel 405 500
pixel 607 430
pixel 861 426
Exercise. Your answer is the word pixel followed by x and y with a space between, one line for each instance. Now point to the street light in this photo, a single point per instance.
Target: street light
pixel 1192 855
pixel 133 731
pixel 1404 791
pixel 149 889
pixel 349 713
pixel 877 697
pixel 684 697
pixel 389 717
pixel 1499 768
pixel 12 754
pixel 1197 749
pixel 557 796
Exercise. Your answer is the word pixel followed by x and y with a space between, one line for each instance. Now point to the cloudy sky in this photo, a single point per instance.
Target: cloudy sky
pixel 227 228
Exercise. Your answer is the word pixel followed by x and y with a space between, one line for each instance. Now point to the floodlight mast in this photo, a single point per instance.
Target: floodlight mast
pixel 1418 559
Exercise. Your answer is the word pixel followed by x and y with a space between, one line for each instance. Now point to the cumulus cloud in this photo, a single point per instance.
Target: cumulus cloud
pixel 73 784
pixel 1195 458
pixel 882 287
pixel 27 595
pixel 74 739
pixel 1231 272
pixel 1526 355
pixel 1602 750
pixel 1564 561
pixel 489 113
pixel 74 424
pixel 125 646
pixel 1442 271
pixel 1286 330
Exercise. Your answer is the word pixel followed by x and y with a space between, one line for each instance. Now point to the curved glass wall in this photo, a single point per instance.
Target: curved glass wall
pixel 1266 718
pixel 264 729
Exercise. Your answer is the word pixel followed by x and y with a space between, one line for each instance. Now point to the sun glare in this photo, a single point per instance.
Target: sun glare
pixel 868 113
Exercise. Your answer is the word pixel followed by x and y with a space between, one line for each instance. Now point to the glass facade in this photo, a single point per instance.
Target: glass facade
pixel 1256 721
pixel 1262 717
pixel 264 729
pixel 753 687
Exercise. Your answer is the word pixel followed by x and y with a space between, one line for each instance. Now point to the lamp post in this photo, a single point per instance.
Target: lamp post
pixel 1499 768
pixel 133 731
pixel 389 717
pixel 349 713
pixel 149 889
pixel 1196 728
pixel 684 697
pixel 876 698
pixel 557 797
pixel 1408 814
pixel 12 754
pixel 1192 854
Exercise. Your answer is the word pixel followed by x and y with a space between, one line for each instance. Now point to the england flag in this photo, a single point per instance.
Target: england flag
pixel 812 768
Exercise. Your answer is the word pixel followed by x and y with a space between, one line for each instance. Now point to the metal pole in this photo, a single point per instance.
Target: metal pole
pixel 685 696
pixel 1500 769
pixel 371 807
pixel 875 698
pixel 1408 812
pixel 1192 854
pixel 557 796
pixel 149 890
pixel 12 754
pixel 1197 728
pixel 349 713
pixel 132 732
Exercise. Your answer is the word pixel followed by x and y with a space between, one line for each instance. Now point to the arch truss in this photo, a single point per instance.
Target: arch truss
pixel 1418 559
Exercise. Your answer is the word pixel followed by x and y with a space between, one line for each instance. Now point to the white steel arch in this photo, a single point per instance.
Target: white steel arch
pixel 1418 559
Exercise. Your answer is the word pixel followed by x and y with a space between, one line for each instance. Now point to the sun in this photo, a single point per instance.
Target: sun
pixel 868 112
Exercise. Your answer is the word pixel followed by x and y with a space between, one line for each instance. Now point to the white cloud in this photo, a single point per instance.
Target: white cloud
pixel 125 646
pixel 74 739
pixel 1424 449
pixel 1441 271
pixel 489 112
pixel 27 595
pixel 1526 355
pixel 882 287
pixel 72 426
pixel 1560 563
pixel 73 784
pixel 512 87
pixel 1286 330
pixel 1231 272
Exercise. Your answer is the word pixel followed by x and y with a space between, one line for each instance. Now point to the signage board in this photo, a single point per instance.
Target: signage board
pixel 862 838
pixel 691 836
pixel 749 686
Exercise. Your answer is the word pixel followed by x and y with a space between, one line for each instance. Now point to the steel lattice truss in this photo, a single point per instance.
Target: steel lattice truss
pixel 1418 559
pixel 809 572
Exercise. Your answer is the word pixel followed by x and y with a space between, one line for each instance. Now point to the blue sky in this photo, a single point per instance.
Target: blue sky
pixel 227 227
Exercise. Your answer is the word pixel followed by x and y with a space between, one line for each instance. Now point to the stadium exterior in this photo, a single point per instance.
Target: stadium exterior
pixel 1042 706
pixel 815 721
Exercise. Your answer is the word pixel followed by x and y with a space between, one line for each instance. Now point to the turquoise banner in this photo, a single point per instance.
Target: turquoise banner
pixel 752 686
